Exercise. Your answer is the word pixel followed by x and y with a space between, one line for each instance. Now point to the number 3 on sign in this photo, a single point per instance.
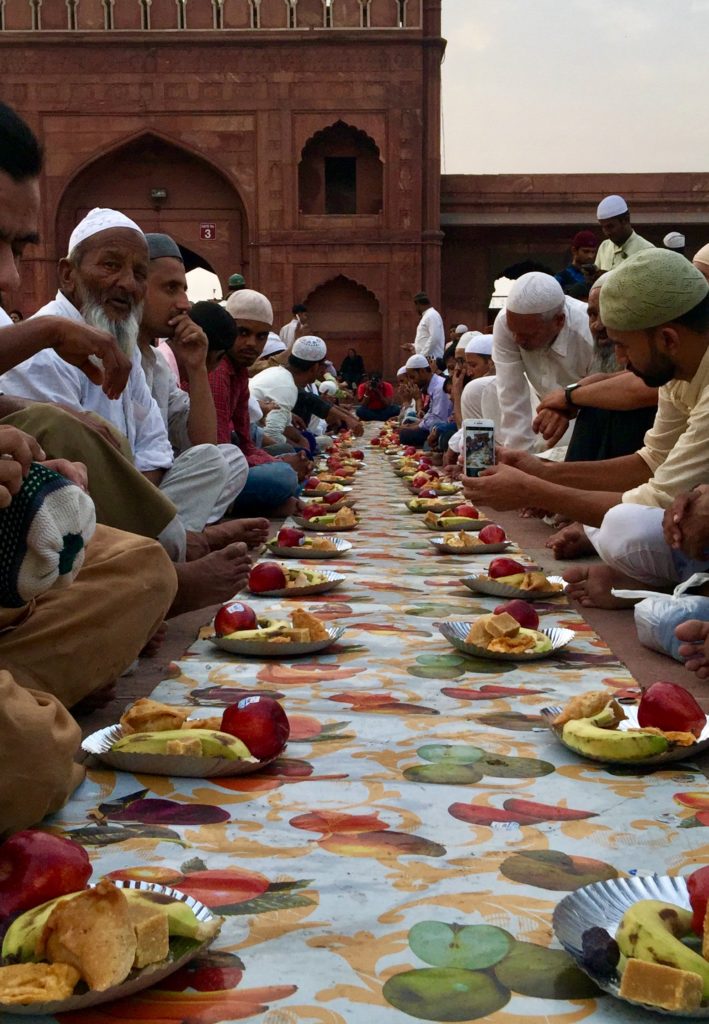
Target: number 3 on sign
pixel 208 232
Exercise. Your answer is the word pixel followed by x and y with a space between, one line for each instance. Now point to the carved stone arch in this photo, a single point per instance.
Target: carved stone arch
pixel 347 314
pixel 340 172
pixel 164 186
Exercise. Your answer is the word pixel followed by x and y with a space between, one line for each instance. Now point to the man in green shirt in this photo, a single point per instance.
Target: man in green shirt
pixel 621 241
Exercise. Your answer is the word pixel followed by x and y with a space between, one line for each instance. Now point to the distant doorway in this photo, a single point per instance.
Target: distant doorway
pixel 347 315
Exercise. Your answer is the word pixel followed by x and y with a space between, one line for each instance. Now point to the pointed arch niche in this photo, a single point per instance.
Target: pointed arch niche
pixel 347 315
pixel 163 187
pixel 340 173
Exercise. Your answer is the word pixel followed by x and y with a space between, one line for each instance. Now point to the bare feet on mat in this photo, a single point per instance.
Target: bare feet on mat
pixel 591 586
pixel 694 634
pixel 571 542
pixel 212 579
pixel 252 532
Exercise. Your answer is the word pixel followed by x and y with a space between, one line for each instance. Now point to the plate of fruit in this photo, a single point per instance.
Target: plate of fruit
pixel 642 939
pixel 667 725
pixel 162 739
pixel 238 630
pixel 74 944
pixel 507 578
pixel 501 635
pixel 462 517
pixel 491 540
pixel 270 579
pixel 314 487
pixel 329 522
pixel 292 543
pixel 430 501
pixel 333 501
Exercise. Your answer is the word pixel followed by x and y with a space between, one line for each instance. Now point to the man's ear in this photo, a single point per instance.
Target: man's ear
pixel 66 272
pixel 559 320
pixel 669 340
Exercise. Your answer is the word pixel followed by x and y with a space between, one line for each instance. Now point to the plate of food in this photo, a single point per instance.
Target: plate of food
pixel 491 540
pixel 500 636
pixel 436 487
pixel 270 579
pixel 98 945
pixel 280 638
pixel 455 521
pixel 292 543
pixel 345 519
pixel 508 578
pixel 332 502
pixel 419 506
pixel 667 725
pixel 316 488
pixel 642 940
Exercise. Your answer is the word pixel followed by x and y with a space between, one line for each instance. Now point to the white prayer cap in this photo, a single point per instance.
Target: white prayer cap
pixel 328 387
pixel 100 219
pixel 535 293
pixel 468 336
pixel 481 346
pixel 461 329
pixel 310 348
pixel 273 345
pixel 401 372
pixel 611 206
pixel 674 240
pixel 417 362
pixel 246 304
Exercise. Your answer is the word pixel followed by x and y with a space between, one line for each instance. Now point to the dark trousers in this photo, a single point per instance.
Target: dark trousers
pixel 366 414
pixel 608 433
pixel 416 436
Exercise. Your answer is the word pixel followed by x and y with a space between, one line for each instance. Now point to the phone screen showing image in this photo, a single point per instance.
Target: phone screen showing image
pixel 479 448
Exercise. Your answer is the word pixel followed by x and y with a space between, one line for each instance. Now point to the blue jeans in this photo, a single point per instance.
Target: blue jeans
pixel 267 487
pixel 365 413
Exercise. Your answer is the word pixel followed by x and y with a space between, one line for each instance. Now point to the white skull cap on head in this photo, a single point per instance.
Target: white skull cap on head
pixel 481 346
pixel 100 219
pixel 611 206
pixel 461 328
pixel 273 345
pixel 247 304
pixel 674 240
pixel 310 348
pixel 401 372
pixel 468 336
pixel 328 387
pixel 535 293
pixel 417 362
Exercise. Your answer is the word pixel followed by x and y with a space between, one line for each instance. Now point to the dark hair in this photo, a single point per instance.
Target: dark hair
pixel 697 318
pixel 219 326
pixel 299 308
pixel 20 153
pixel 300 364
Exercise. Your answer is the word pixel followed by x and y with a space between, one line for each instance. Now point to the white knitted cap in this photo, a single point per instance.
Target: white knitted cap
pixel 611 206
pixel 417 362
pixel 535 293
pixel 481 346
pixel 310 348
pixel 100 219
pixel 247 304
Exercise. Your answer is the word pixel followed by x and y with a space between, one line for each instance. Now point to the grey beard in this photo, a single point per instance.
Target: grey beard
pixel 604 360
pixel 124 331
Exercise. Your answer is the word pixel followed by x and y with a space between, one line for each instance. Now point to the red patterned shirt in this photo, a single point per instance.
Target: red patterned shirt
pixel 230 389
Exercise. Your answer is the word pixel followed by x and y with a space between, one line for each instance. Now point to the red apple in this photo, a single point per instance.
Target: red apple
pixel 233 616
pixel 357 453
pixel 259 722
pixel 504 567
pixel 420 480
pixel 492 534
pixel 428 492
pixel 312 483
pixel 410 450
pixel 467 511
pixel 375 441
pixel 266 576
pixel 36 867
pixel 698 889
pixel 523 611
pixel 672 708
pixel 333 497
pixel 288 537
pixel 312 510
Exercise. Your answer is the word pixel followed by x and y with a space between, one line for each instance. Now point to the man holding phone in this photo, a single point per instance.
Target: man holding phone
pixel 375 397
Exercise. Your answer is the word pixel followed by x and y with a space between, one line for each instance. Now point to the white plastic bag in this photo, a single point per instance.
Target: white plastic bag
pixel 657 615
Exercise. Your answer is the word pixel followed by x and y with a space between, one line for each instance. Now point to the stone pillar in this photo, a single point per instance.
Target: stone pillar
pixel 432 236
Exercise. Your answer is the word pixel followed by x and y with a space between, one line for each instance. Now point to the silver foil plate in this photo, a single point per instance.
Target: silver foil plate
pixel 456 632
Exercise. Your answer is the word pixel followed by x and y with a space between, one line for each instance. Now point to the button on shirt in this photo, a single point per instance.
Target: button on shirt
pixel 610 255
pixel 440 407
pixel 430 337
pixel 567 359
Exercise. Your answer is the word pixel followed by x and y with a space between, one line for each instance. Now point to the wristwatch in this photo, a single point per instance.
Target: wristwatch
pixel 568 391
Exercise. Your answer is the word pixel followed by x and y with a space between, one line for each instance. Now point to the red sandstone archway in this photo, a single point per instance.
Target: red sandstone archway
pixel 340 172
pixel 347 315
pixel 164 187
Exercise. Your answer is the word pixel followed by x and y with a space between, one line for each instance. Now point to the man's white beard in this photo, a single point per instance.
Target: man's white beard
pixel 604 359
pixel 124 331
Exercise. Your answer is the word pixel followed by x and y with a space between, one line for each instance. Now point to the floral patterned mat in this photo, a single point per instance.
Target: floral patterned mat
pixel 404 859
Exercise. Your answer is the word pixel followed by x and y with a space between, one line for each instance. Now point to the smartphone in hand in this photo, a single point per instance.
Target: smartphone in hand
pixel 479 437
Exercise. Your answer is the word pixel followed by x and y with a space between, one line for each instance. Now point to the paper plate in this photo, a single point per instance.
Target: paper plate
pixel 318 492
pixel 482 584
pixel 435 505
pixel 450 490
pixel 100 743
pixel 602 905
pixel 331 581
pixel 456 632
pixel 441 544
pixel 264 649
pixel 305 524
pixel 341 548
pixel 471 526
pixel 675 753
pixel 344 502
pixel 182 951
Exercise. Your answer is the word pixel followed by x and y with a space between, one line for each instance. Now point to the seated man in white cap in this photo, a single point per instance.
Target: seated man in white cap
pixel 281 385
pixel 621 241
pixel 273 355
pixel 676 241
pixel 541 338
pixel 438 406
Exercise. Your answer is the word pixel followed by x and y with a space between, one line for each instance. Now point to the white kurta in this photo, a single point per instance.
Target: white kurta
pixel 276 383
pixel 430 337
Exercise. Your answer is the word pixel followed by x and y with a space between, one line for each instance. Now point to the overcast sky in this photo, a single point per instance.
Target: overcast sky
pixel 575 85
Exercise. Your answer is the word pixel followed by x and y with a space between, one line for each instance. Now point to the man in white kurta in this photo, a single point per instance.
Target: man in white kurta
pixel 430 337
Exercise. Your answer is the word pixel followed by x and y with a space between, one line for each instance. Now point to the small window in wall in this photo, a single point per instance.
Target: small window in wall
pixel 402 13
pixel 36 16
pixel 2 15
pixel 291 12
pixel 71 11
pixel 181 14
pixel 218 12
pixel 365 14
pixel 255 13
pixel 340 184
pixel 328 14
pixel 108 14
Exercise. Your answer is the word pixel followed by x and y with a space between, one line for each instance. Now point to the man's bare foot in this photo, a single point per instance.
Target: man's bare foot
pixel 571 542
pixel 155 642
pixel 251 532
pixel 694 648
pixel 592 585
pixel 212 579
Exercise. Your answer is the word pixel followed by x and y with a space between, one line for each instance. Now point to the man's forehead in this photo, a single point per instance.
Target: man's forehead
pixel 120 240
pixel 167 268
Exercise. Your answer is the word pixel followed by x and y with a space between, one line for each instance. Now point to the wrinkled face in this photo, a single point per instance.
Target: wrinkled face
pixel 532 331
pixel 166 296
pixel 584 254
pixel 646 354
pixel 618 229
pixel 251 336
pixel 19 219
pixel 477 365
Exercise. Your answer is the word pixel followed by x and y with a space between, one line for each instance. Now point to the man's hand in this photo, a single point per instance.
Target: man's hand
pixel 298 422
pixel 524 461
pixel 500 487
pixel 458 382
pixel 551 425
pixel 408 348
pixel 686 522
pixel 555 400
pixel 76 342
pixel 17 452
pixel 300 463
pixel 189 343
pixel 74 471
pixel 267 405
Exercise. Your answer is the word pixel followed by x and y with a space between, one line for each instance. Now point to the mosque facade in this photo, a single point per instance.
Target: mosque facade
pixel 294 141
